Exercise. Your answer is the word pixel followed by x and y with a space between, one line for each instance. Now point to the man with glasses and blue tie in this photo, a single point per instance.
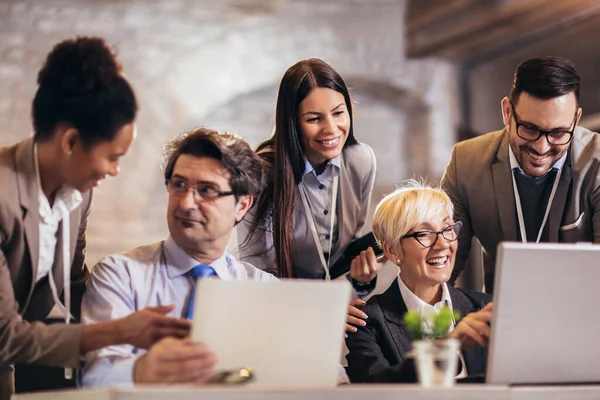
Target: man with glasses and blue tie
pixel 537 180
pixel 211 180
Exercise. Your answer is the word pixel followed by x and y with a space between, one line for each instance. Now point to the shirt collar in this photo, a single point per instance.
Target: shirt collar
pixel 179 262
pixel 414 303
pixel 558 164
pixel 72 198
pixel 308 168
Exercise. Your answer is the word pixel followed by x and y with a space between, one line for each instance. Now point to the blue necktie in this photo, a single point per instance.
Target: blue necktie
pixel 199 271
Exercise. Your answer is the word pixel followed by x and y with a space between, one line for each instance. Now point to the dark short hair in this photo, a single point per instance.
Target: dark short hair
pixel 233 152
pixel 81 85
pixel 545 78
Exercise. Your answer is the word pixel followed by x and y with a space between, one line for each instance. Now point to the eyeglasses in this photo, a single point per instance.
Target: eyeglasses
pixel 532 133
pixel 205 192
pixel 429 238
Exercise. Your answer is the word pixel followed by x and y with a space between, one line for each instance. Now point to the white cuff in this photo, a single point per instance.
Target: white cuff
pixel 117 373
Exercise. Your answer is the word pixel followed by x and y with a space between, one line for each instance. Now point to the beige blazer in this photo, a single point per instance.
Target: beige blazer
pixel 21 339
pixel 478 180
pixel 357 177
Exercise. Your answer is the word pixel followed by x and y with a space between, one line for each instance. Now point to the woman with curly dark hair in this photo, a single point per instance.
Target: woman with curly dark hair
pixel 83 118
pixel 319 182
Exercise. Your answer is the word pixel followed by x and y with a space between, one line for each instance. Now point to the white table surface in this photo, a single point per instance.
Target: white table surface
pixel 349 392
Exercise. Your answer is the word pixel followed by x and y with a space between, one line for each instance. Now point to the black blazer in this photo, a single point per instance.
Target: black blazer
pixel 378 351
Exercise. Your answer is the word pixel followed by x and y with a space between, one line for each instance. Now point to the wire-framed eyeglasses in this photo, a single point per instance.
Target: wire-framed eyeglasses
pixel 429 238
pixel 204 191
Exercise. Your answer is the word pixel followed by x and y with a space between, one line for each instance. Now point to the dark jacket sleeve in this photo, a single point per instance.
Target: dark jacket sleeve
pixel 367 360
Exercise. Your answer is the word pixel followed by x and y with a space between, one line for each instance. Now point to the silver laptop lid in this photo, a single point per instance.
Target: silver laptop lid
pixel 546 320
pixel 289 333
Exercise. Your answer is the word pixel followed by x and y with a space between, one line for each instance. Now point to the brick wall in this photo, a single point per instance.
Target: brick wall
pixel 218 64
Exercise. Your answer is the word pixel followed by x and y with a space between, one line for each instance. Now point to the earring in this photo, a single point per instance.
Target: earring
pixel 398 262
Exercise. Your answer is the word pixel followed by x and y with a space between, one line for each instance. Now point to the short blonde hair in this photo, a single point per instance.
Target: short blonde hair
pixel 411 204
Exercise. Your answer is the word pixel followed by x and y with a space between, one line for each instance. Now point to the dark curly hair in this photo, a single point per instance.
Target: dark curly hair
pixel 233 152
pixel 81 85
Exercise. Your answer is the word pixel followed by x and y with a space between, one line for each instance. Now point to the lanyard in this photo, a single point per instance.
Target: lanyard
pixel 313 226
pixel 520 210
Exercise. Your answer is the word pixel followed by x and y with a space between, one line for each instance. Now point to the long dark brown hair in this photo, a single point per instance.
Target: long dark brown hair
pixel 283 155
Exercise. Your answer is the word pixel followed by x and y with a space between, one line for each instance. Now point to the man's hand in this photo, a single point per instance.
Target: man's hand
pixel 365 266
pixel 145 327
pixel 473 330
pixel 175 361
pixel 355 316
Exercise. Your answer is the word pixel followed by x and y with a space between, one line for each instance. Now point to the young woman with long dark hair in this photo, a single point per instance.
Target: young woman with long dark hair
pixel 319 181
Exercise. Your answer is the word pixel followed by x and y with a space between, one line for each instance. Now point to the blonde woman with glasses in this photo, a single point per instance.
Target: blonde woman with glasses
pixel 415 227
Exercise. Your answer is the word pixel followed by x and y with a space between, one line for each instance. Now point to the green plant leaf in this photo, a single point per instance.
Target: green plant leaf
pixel 412 320
pixel 430 325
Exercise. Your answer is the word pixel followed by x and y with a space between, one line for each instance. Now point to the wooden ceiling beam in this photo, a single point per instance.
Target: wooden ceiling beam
pixel 485 25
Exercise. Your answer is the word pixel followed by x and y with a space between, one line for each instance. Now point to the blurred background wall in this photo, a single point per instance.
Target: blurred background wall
pixel 424 73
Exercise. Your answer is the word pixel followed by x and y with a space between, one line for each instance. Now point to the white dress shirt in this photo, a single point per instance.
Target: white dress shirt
pixel 65 201
pixel 146 276
pixel 414 303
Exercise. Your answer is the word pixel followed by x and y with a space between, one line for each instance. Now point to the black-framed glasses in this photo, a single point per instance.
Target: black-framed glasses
pixel 429 238
pixel 531 133
pixel 206 192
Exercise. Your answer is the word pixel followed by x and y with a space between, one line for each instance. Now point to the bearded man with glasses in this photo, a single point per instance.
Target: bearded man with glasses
pixel 536 180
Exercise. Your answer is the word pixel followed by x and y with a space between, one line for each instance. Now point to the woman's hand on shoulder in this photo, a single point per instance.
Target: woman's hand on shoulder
pixel 355 317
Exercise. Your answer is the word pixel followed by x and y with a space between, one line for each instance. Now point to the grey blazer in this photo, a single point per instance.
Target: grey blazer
pixel 357 177
pixel 478 180
pixel 21 340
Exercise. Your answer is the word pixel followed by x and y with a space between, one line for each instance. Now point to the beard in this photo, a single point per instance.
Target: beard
pixel 532 162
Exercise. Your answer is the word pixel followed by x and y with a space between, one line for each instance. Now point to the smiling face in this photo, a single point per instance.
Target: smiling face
pixel 425 267
pixel 324 123
pixel 557 114
pixel 197 225
pixel 87 167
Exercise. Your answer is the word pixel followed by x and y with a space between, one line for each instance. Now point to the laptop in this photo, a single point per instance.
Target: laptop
pixel 546 320
pixel 288 333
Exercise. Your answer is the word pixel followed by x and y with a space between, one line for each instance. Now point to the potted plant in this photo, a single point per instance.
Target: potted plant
pixel 436 356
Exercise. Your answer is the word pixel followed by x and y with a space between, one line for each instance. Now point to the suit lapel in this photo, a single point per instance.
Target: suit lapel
pixel 57 269
pixel 394 308
pixel 558 204
pixel 345 223
pixel 460 302
pixel 28 197
pixel 475 359
pixel 503 187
